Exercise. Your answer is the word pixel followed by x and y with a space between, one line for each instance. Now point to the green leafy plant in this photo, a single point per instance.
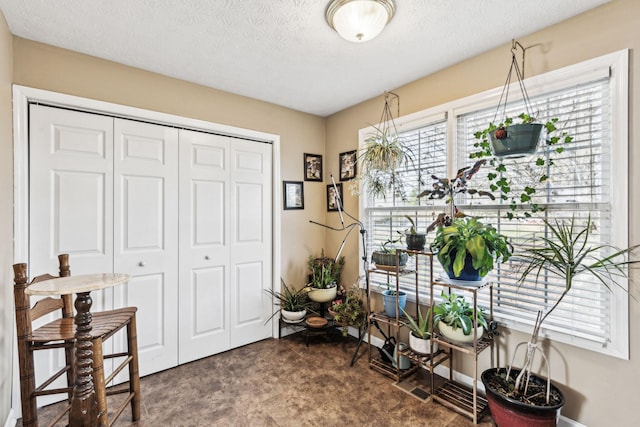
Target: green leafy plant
pixel 469 237
pixel 289 299
pixel 387 247
pixel 498 180
pixel 420 327
pixel 381 159
pixel 349 310
pixel 455 311
pixel 412 228
pixel 384 154
pixel 386 254
pixel 325 272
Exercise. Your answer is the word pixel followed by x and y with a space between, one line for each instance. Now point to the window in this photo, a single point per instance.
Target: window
pixel 588 180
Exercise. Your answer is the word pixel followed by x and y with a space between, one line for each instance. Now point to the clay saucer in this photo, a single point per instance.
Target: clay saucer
pixel 316 322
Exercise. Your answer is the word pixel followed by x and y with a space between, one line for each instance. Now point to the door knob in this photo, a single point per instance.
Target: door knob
pixel 142 263
pixel 207 257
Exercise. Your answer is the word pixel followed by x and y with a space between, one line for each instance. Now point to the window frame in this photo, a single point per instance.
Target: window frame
pixel 616 66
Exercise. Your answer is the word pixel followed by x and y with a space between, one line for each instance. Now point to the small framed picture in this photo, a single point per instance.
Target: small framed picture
pixel 332 198
pixel 312 167
pixel 293 194
pixel 348 165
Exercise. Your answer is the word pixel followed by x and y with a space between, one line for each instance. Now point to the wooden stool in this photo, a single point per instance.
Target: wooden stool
pixel 60 333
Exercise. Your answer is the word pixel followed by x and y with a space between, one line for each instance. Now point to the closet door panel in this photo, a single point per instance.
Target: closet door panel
pixel 70 210
pixel 146 236
pixel 250 243
pixel 71 188
pixel 204 245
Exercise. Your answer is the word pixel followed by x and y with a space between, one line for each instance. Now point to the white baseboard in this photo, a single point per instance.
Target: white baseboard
pixel 11 419
pixel 443 371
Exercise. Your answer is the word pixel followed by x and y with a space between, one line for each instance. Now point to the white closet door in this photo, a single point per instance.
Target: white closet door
pixel 250 241
pixel 204 245
pixel 71 188
pixel 146 236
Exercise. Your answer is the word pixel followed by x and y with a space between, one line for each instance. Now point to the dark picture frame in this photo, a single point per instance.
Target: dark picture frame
pixel 293 194
pixel 348 165
pixel 312 167
pixel 332 200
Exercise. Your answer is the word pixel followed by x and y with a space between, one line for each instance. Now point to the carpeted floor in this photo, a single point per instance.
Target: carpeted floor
pixel 282 383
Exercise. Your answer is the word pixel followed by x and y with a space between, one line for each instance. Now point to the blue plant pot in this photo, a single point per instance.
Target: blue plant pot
pixel 468 273
pixel 389 299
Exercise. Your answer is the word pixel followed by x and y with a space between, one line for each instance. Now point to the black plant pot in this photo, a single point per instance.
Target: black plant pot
pixel 508 412
pixel 521 140
pixel 416 242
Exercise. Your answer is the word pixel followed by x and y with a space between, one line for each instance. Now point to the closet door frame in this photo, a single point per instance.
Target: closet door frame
pixel 23 96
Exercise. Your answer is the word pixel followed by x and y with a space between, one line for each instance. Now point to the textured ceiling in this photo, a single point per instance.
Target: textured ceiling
pixel 282 51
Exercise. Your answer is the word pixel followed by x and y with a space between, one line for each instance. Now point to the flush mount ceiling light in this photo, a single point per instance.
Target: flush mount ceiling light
pixel 359 20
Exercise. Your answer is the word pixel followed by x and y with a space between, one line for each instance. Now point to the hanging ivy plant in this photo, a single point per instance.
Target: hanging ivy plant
pixel 498 181
pixel 498 153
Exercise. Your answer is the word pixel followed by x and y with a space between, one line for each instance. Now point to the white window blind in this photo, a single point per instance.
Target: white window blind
pixel 588 180
pixel 578 185
pixel 386 216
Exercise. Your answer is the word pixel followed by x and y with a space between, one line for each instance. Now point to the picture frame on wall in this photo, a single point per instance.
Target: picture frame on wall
pixel 332 198
pixel 312 167
pixel 348 165
pixel 293 194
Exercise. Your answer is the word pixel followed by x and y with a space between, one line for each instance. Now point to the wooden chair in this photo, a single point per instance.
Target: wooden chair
pixel 60 333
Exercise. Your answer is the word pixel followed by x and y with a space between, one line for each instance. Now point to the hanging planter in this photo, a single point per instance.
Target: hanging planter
pixel 517 137
pixel 508 139
pixel 515 140
pixel 384 154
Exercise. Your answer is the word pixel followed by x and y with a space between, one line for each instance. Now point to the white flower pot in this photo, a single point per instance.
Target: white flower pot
pixel 420 345
pixel 293 316
pixel 457 336
pixel 323 295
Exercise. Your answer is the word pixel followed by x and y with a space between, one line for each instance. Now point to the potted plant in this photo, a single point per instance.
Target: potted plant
pixel 292 304
pixel 517 397
pixel 468 248
pixel 415 240
pixel 385 258
pixel 456 320
pixel 349 310
pixel 324 277
pixel 393 299
pixel 508 139
pixel 489 142
pixel 383 155
pixel 420 333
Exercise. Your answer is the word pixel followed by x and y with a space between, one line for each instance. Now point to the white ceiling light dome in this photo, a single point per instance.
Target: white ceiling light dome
pixel 359 20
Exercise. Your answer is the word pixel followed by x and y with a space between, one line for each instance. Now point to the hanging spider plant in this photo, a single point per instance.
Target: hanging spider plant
pixel 384 155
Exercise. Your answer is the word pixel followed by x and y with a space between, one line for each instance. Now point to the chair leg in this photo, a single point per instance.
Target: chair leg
pixel 134 376
pixel 99 382
pixel 27 387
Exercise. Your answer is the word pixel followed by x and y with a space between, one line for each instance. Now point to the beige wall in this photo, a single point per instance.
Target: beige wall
pixel 6 220
pixel 601 390
pixel 46 67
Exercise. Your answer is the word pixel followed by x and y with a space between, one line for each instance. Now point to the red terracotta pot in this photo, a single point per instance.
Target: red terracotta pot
pixel 507 412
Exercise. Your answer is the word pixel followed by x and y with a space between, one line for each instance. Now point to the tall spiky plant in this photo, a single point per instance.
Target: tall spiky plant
pixel 566 254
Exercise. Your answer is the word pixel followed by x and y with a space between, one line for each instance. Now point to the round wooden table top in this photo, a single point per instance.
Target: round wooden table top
pixel 77 284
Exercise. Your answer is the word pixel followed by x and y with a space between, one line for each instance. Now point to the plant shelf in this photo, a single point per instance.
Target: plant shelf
pixel 459 398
